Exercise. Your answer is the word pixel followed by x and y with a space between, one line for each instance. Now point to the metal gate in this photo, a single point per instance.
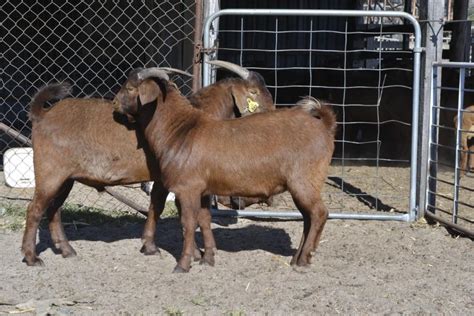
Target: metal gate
pixel 450 198
pixel 259 39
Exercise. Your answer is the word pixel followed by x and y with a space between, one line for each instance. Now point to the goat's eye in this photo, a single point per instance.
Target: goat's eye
pixel 129 89
pixel 254 92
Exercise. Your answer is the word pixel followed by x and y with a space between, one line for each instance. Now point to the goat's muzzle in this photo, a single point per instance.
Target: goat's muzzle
pixel 116 104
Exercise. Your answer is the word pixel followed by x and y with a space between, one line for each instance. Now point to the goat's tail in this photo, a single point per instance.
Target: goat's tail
pixel 47 93
pixel 320 110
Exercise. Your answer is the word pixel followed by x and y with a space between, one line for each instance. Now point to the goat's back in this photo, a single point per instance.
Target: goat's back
pixel 263 152
pixel 83 139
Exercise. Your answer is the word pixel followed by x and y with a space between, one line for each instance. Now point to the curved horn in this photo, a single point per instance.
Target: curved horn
pixel 169 70
pixel 152 72
pixel 241 71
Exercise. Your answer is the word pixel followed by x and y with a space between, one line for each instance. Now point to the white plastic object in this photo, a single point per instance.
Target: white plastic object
pixel 18 167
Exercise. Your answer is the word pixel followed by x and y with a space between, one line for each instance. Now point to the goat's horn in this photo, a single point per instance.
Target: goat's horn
pixel 241 71
pixel 169 70
pixel 152 72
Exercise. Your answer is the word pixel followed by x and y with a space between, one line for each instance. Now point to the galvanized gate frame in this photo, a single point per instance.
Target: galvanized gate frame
pixel 430 202
pixel 412 213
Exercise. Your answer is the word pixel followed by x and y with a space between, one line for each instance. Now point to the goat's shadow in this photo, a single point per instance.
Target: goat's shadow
pixel 363 197
pixel 169 237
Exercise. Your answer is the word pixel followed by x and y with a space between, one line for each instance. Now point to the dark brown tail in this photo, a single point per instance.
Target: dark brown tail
pixel 320 110
pixel 47 93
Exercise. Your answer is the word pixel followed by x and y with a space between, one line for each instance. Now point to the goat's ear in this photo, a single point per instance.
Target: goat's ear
pixel 148 91
pixel 240 96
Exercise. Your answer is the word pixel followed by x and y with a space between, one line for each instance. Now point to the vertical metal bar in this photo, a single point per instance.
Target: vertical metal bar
pixel 434 139
pixel 241 41
pixel 198 19
pixel 310 57
pixel 344 90
pixel 462 73
pixel 276 61
pixel 414 184
pixel 379 100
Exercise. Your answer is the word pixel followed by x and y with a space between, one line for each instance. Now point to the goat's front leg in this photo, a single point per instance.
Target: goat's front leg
pixel 190 206
pixel 157 204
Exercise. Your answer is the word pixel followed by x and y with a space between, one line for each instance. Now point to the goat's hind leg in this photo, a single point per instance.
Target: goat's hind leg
pixel 315 216
pixel 470 156
pixel 304 236
pixel 204 221
pixel 56 227
pixel 44 194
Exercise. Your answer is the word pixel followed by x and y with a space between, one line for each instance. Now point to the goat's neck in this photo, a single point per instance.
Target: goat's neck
pixel 216 100
pixel 170 130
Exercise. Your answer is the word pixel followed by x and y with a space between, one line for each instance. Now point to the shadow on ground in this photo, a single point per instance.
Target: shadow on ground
pixel 169 238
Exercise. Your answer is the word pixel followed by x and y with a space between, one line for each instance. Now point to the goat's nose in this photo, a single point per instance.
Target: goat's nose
pixel 115 104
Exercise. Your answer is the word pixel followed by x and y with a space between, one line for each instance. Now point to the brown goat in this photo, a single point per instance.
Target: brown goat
pixel 467 133
pixel 83 140
pixel 257 156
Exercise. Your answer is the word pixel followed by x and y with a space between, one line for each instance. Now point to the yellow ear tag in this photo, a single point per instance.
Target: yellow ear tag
pixel 252 105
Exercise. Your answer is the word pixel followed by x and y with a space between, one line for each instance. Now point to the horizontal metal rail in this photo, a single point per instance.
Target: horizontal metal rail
pixel 297 215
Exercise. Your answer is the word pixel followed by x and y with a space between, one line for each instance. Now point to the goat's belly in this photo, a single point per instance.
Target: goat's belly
pixel 241 186
pixel 110 175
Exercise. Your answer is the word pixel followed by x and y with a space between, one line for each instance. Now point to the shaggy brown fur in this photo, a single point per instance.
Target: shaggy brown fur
pixel 256 156
pixel 468 134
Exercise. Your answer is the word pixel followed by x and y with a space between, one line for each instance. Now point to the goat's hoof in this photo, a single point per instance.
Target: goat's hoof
pixel 302 263
pixel 179 269
pixel 150 250
pixel 300 269
pixel 197 255
pixel 68 252
pixel 207 261
pixel 36 262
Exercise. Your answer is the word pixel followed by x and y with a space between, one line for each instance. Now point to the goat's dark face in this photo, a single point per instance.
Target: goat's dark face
pixel 253 96
pixel 134 94
pixel 126 101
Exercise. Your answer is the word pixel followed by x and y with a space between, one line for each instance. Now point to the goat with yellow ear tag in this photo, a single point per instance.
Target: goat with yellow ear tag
pixel 252 105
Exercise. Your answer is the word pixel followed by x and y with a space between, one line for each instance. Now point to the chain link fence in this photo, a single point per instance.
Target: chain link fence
pixel 93 45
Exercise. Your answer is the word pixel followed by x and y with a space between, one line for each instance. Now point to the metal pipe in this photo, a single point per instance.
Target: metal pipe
pixel 10 131
pixel 434 138
pixel 198 17
pixel 453 226
pixel 457 171
pixel 297 215
pixel 417 50
pixel 126 201
pixel 453 64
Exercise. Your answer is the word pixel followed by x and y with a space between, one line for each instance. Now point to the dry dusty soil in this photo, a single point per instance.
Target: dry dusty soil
pixel 359 268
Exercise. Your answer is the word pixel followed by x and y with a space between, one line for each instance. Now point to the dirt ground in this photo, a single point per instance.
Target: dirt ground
pixel 360 267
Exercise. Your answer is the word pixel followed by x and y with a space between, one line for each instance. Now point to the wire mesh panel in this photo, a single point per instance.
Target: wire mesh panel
pixel 93 45
pixel 366 71
pixel 451 164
